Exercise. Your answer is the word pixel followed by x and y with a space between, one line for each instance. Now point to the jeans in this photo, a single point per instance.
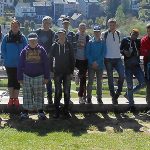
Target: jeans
pixel 116 64
pixel 139 75
pixel 64 79
pixel 91 75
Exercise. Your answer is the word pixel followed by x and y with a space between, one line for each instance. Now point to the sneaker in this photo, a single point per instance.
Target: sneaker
pixel 24 116
pixel 89 101
pixel 99 101
pixel 11 102
pixel 41 116
pixel 16 102
pixel 81 100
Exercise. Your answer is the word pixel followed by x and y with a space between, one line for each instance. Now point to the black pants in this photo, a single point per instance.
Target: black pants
pixel 65 81
pixel 82 66
pixel 12 78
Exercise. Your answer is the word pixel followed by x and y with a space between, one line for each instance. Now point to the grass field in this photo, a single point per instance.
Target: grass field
pixel 82 132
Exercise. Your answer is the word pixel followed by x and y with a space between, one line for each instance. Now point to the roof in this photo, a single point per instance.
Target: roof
pixel 41 4
pixel 60 1
pixel 91 1
pixel 75 16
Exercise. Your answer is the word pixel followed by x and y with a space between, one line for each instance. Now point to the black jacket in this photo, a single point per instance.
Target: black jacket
pixel 63 58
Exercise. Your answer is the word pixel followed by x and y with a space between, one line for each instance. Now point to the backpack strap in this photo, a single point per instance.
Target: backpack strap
pixel 106 34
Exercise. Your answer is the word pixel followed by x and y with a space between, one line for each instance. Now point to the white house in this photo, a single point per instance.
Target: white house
pixel 1 8
pixel 24 9
pixel 135 5
pixel 71 6
pixel 8 2
pixel 84 6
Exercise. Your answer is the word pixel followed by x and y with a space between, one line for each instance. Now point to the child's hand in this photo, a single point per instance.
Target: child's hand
pixel 45 81
pixel 20 81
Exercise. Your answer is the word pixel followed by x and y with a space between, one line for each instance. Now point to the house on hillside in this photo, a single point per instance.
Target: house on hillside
pixel 91 8
pixel 76 19
pixel 42 9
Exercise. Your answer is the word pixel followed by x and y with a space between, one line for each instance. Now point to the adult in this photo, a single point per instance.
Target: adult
pixel 46 38
pixel 113 59
pixel 12 44
pixel 145 51
pixel 130 48
pixel 95 52
pixel 81 60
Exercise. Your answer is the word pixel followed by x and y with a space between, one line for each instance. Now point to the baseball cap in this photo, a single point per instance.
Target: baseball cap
pixel 32 36
pixel 97 28
pixel 61 31
pixel 66 19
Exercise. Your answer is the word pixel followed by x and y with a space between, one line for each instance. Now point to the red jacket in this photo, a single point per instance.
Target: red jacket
pixel 145 48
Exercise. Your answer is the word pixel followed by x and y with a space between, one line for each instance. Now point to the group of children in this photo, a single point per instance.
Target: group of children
pixel 60 53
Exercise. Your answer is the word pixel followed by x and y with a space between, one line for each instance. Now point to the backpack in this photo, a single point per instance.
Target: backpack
pixel 106 34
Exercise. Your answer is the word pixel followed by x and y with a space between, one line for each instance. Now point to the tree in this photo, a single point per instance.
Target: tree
pixel 32 25
pixel 90 22
pixel 126 6
pixel 26 27
pixel 120 16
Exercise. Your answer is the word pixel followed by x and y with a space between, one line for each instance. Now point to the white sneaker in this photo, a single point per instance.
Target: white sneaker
pixel 81 100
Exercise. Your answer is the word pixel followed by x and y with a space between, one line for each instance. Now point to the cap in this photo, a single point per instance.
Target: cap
pixel 112 20
pixel 48 18
pixel 97 28
pixel 61 31
pixel 32 36
pixel 66 19
pixel 148 25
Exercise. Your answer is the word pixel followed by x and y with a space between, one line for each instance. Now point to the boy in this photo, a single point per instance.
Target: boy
pixel 33 73
pixel 81 60
pixel 63 63
pixel 130 48
pixel 95 52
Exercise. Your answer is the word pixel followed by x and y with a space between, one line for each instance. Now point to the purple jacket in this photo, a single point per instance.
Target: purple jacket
pixel 33 62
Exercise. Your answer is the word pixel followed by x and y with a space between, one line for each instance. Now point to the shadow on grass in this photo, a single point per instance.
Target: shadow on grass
pixel 79 124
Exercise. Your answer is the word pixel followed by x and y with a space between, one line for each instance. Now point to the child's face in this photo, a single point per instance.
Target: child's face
pixel 97 34
pixel 82 28
pixel 33 43
pixel 61 36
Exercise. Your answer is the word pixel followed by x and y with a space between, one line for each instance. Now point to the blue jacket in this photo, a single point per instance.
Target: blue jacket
pixel 95 51
pixel 10 51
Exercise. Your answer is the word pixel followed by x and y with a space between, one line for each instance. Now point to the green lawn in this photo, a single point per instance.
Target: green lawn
pixel 82 132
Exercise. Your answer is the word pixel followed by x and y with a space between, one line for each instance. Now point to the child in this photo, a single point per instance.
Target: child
pixel 33 73
pixel 81 61
pixel 63 63
pixel 95 52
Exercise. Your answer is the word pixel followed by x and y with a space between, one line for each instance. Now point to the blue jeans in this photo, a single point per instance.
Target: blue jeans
pixel 99 76
pixel 59 80
pixel 139 75
pixel 111 64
